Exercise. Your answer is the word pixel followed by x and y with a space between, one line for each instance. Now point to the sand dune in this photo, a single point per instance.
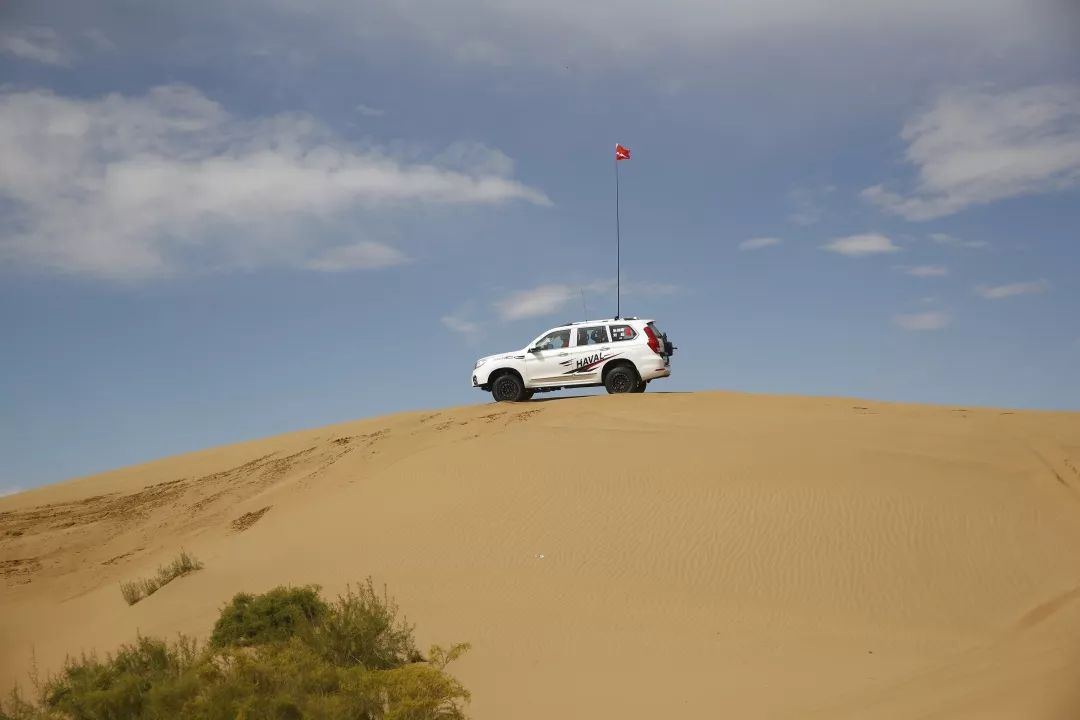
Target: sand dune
pixel 703 555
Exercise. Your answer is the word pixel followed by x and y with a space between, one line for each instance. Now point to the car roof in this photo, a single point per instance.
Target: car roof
pixel 604 320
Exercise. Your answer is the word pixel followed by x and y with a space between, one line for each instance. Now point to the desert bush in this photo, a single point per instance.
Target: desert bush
pixel 136 590
pixel 277 656
pixel 125 683
pixel 182 565
pixel 16 707
pixel 273 616
pixel 133 591
pixel 363 629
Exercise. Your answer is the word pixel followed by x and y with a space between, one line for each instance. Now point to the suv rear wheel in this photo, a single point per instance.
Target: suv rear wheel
pixel 640 387
pixel 509 388
pixel 621 380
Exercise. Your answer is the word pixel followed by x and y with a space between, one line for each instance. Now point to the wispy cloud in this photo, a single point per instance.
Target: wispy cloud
pixel 458 324
pixel 925 271
pixel 462 320
pixel 548 299
pixel 10 491
pixel 759 243
pixel 358 256
pixel 809 204
pixel 974 147
pixel 99 40
pixel 134 187
pixel 535 302
pixel 861 245
pixel 40 44
pixel 482 31
pixel 946 239
pixel 915 322
pixel 649 289
pixel 368 111
pixel 474 157
pixel 1000 292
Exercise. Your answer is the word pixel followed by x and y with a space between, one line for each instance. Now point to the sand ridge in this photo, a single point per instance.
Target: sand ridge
pixel 680 554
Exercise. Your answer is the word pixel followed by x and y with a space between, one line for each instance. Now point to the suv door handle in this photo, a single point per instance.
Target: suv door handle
pixel 563 354
pixel 604 348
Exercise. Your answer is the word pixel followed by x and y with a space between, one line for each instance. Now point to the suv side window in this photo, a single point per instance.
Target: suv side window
pixel 622 332
pixel 596 335
pixel 555 340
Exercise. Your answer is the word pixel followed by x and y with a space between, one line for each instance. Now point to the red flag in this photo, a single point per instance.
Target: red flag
pixel 621 153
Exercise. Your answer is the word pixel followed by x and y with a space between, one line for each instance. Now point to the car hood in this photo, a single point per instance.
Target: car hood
pixel 503 356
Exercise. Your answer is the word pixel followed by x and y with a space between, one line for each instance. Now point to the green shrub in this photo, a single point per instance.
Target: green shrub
pixel 281 655
pixel 362 629
pixel 270 617
pixel 123 685
pixel 136 590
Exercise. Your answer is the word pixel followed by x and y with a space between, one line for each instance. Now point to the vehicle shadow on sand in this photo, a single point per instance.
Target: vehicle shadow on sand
pixel 565 398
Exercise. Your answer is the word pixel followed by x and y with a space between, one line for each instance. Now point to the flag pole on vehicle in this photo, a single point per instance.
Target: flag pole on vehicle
pixel 621 153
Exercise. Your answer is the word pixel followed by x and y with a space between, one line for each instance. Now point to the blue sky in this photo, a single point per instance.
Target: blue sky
pixel 225 220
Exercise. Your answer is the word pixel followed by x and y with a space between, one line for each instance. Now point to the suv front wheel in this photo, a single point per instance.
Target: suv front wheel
pixel 509 388
pixel 621 380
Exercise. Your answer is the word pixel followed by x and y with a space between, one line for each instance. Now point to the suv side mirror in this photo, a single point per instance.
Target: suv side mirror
pixel 535 349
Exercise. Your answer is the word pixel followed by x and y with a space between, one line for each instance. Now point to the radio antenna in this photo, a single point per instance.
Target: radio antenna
pixel 618 242
pixel 621 153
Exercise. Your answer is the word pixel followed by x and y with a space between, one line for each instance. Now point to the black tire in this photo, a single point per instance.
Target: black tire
pixel 621 380
pixel 508 388
pixel 528 395
pixel 640 387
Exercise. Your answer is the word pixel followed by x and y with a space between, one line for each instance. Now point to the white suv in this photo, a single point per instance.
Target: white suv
pixel 622 354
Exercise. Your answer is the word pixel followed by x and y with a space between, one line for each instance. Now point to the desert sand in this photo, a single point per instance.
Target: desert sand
pixel 659 555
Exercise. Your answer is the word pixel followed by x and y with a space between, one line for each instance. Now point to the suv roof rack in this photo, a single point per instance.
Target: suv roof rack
pixel 600 320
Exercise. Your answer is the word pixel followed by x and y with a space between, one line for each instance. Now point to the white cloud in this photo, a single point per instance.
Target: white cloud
pixel 649 289
pixel 368 111
pixel 132 187
pixel 542 300
pixel 458 324
pixel 925 271
pixel 358 256
pixel 809 204
pixel 548 299
pixel 932 320
pixel 860 245
pixel 461 321
pixel 1000 292
pixel 476 157
pixel 39 44
pixel 758 243
pixel 10 491
pixel 974 147
pixel 99 40
pixel 608 32
pixel 946 239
